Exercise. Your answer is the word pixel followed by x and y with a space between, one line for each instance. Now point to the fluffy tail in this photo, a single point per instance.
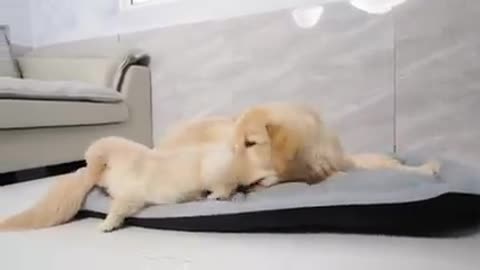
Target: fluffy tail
pixel 65 198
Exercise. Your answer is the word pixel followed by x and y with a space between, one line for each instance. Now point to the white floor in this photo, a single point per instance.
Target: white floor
pixel 79 245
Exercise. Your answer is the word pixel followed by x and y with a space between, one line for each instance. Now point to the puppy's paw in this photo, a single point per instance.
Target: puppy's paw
pixel 106 226
pixel 217 196
pixel 269 181
pixel 432 167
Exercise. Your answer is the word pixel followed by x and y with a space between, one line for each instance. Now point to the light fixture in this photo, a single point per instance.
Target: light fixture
pixel 307 17
pixel 376 6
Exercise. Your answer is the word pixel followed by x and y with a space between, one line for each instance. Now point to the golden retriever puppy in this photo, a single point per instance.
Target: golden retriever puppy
pixel 302 147
pixel 135 176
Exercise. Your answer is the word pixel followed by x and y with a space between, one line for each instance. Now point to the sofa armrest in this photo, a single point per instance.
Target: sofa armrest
pixel 98 71
pixel 137 91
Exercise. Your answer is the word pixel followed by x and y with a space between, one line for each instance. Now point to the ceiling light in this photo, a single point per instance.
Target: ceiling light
pixel 307 17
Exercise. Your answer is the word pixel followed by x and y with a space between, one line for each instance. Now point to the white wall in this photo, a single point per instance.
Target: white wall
pixel 36 23
pixel 57 21
pixel 16 14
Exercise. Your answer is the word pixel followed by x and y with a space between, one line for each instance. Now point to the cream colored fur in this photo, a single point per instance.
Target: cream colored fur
pixel 205 130
pixel 292 138
pixel 304 148
pixel 136 176
pixel 60 204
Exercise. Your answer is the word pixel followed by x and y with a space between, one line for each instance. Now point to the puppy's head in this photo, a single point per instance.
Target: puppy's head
pixel 263 146
pixel 285 143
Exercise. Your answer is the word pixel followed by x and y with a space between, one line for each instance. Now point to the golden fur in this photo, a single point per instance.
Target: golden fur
pixel 193 132
pixel 59 205
pixel 135 175
pixel 303 147
pixel 292 138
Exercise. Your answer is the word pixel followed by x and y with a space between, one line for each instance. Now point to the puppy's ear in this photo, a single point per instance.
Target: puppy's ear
pixel 273 130
pixel 285 145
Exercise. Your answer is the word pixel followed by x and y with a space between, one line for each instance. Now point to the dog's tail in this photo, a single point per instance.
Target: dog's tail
pixel 66 197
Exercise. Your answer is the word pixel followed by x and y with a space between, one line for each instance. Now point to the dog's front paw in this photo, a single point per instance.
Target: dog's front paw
pixel 106 226
pixel 216 196
pixel 269 181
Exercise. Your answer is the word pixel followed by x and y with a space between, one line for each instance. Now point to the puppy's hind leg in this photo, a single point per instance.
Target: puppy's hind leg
pixel 379 161
pixel 119 209
pixel 428 168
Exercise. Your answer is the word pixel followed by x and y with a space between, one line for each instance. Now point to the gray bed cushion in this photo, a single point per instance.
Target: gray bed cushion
pixel 13 88
pixel 356 188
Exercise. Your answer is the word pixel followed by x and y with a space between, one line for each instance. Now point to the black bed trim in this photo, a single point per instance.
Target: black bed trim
pixel 438 216
pixel 25 175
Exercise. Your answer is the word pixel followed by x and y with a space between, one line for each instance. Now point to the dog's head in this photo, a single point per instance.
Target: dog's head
pixel 264 146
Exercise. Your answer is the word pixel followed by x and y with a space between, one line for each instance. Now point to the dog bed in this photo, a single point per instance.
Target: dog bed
pixel 381 201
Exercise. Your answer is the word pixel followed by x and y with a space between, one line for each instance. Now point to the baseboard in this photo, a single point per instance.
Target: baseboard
pixel 40 172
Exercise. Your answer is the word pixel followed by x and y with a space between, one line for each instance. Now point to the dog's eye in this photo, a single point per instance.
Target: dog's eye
pixel 249 143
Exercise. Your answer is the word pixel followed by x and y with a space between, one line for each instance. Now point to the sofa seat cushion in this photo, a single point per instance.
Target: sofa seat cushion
pixel 24 113
pixel 13 88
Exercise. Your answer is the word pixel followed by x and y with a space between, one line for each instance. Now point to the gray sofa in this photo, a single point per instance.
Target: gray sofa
pixel 36 131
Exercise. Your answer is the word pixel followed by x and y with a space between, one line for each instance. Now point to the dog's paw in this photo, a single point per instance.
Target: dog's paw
pixel 218 196
pixel 106 226
pixel 432 167
pixel 269 181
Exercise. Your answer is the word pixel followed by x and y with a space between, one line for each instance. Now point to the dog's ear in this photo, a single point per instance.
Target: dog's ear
pixel 273 130
pixel 284 141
